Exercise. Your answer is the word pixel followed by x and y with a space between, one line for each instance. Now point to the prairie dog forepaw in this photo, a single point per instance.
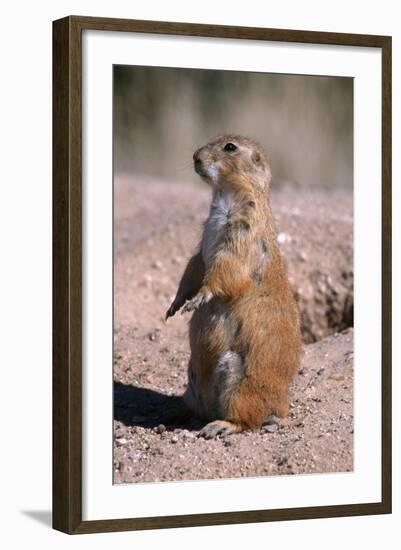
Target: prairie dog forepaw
pixel 203 297
pixel 178 302
pixel 171 310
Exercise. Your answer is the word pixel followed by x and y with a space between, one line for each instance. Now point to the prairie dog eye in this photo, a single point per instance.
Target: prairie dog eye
pixel 230 147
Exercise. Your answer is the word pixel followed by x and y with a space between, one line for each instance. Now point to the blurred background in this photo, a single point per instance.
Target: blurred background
pixel 304 123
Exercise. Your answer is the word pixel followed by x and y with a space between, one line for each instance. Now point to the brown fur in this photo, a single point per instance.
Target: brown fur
pixel 244 333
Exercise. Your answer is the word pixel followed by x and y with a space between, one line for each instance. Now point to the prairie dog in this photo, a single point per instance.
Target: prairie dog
pixel 244 332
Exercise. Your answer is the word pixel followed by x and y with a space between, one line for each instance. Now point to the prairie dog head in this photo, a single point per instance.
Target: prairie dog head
pixel 233 161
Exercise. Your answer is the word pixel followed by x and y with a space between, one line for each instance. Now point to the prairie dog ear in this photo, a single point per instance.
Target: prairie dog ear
pixel 262 166
pixel 255 157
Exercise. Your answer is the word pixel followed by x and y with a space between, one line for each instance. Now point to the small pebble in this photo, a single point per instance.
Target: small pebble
pixel 271 428
pixel 174 439
pixel 271 420
pixel 121 441
pixel 336 376
pixel 283 238
pixel 155 335
pixel 282 460
pixel 148 278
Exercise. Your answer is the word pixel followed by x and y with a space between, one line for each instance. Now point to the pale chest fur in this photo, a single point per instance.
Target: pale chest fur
pixel 215 225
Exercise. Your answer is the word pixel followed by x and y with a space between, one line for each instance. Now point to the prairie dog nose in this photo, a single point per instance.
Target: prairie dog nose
pixel 197 160
pixel 195 156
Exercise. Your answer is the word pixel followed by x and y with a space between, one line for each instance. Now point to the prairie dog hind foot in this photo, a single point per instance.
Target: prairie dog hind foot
pixel 219 427
pixel 223 427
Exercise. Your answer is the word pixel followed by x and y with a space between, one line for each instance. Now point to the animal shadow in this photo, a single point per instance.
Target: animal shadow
pixel 136 406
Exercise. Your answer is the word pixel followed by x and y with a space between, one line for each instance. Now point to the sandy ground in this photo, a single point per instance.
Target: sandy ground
pixel 157 227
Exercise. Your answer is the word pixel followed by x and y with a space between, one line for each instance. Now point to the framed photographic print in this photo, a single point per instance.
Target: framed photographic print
pixel 221 274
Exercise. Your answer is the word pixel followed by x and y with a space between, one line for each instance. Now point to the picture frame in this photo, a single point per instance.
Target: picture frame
pixel 68 296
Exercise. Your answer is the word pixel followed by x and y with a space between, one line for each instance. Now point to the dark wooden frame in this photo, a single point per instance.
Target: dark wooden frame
pixel 67 277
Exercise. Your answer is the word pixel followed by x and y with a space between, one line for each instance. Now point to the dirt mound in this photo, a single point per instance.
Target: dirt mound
pixel 315 437
pixel 316 236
